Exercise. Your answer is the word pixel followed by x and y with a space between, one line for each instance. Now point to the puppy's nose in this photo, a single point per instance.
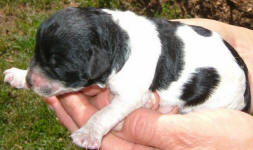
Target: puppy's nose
pixel 29 82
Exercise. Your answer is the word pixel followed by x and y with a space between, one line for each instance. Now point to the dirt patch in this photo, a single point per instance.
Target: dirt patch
pixel 143 7
pixel 7 22
pixel 71 4
pixel 237 12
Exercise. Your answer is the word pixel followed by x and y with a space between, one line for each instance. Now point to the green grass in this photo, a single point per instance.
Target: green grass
pixel 25 121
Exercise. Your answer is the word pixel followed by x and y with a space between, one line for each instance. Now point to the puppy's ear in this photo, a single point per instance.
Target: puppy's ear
pixel 99 64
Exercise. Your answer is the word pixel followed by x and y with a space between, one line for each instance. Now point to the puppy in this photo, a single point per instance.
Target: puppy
pixel 190 67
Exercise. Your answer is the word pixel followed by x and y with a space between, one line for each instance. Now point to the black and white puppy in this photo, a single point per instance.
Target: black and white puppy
pixel 189 66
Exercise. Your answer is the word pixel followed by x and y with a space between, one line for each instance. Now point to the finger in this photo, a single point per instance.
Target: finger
pixel 102 99
pixel 61 114
pixel 111 142
pixel 139 126
pixel 78 107
pixel 174 110
pixel 199 129
pixel 92 90
pixel 156 101
pixel 143 127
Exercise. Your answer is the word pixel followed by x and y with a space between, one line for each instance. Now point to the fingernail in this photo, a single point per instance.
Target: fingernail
pixel 153 98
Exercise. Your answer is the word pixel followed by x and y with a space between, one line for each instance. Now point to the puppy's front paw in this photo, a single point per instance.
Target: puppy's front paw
pixel 15 77
pixel 86 138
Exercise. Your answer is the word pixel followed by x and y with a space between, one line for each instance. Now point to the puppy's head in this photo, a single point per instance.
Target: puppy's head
pixel 70 53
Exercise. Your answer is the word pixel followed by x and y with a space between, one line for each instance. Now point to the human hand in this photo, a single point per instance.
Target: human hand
pixel 74 109
pixel 148 130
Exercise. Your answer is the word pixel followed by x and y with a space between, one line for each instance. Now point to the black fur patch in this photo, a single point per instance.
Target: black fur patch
pixel 200 86
pixel 80 46
pixel 240 62
pixel 201 31
pixel 170 62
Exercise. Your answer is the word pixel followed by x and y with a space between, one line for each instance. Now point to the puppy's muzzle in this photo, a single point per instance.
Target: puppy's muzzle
pixel 38 83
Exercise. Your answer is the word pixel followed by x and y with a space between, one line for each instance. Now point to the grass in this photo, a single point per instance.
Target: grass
pixel 26 123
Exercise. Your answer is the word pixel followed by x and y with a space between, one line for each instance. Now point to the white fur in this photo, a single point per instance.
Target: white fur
pixel 200 51
pixel 15 77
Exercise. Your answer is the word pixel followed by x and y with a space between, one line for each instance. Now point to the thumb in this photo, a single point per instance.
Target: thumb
pixel 143 127
pixel 209 129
